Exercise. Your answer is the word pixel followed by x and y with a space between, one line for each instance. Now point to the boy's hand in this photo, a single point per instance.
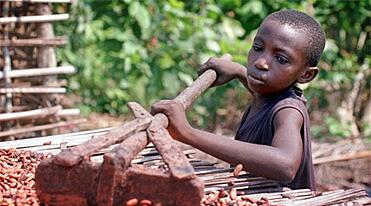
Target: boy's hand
pixel 178 124
pixel 223 66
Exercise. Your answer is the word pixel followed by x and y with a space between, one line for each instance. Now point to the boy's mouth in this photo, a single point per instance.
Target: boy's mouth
pixel 255 78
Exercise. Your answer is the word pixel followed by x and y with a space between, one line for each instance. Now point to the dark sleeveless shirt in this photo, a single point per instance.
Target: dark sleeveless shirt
pixel 258 128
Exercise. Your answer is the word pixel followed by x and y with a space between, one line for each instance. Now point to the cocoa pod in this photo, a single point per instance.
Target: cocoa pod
pixel 237 170
pixel 132 202
pixel 145 202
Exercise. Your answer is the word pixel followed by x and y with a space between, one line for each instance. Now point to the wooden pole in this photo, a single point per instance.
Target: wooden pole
pixel 58 41
pixel 37 90
pixel 37 113
pixel 41 127
pixel 34 19
pixel 7 69
pixel 46 55
pixel 7 80
pixel 41 1
pixel 39 71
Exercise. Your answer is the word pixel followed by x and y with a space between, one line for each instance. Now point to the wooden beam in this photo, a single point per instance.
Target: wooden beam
pixel 34 90
pixel 40 127
pixel 39 71
pixel 33 19
pixel 41 1
pixel 35 42
pixel 30 114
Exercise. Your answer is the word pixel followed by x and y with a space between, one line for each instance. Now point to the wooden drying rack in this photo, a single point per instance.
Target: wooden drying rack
pixel 12 114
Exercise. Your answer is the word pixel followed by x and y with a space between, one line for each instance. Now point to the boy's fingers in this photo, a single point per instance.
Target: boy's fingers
pixel 161 106
pixel 227 57
pixel 203 68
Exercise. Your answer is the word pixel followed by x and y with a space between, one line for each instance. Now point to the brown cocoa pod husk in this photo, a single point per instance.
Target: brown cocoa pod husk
pixel 230 182
pixel 233 194
pixel 223 193
pixel 145 202
pixel 247 198
pixel 237 170
pixel 132 202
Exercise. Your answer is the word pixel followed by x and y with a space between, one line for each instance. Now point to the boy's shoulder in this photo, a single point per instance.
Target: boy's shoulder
pixel 295 101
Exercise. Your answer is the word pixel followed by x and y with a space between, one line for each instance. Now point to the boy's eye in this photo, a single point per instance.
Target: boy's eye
pixel 257 48
pixel 282 59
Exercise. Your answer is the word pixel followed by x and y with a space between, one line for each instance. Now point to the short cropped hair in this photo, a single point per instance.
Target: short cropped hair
pixel 311 28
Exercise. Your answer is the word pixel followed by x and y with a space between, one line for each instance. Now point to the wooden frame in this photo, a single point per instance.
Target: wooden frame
pixel 58 41
pixel 37 90
pixel 33 19
pixel 39 71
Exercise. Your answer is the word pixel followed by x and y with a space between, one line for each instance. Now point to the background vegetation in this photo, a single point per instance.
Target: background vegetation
pixel 144 51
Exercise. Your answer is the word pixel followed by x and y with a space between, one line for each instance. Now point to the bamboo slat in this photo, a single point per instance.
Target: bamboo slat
pixel 40 127
pixel 57 41
pixel 33 19
pixel 80 137
pixel 36 90
pixel 39 71
pixel 30 114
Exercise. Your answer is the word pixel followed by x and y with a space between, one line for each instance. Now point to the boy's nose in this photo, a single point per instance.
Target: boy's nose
pixel 261 64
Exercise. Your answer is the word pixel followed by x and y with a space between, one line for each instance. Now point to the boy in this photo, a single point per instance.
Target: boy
pixel 273 139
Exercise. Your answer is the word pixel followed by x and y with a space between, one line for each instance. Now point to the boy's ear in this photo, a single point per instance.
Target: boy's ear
pixel 308 75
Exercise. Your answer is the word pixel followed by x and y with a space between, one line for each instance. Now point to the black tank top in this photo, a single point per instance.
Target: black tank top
pixel 258 128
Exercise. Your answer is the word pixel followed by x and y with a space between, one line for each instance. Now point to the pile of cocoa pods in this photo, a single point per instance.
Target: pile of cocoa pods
pixel 17 177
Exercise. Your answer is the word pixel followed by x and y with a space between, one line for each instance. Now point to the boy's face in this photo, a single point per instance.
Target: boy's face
pixel 276 59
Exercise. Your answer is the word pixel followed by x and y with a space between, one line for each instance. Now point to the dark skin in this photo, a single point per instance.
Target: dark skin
pixel 276 62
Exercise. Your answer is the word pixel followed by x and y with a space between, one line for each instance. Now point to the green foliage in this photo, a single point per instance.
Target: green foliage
pixel 149 50
pixel 144 50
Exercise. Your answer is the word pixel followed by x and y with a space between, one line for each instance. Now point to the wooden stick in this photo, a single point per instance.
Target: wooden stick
pixel 7 69
pixel 58 41
pixel 68 112
pixel 7 79
pixel 188 96
pixel 30 114
pixel 171 154
pixel 76 154
pixel 38 18
pixel 40 127
pixel 39 71
pixel 37 90
pixel 358 155
pixel 41 1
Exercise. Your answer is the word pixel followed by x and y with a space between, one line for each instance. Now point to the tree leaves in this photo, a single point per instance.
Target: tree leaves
pixel 140 13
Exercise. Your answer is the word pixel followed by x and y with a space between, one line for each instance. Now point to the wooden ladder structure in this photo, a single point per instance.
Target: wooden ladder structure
pixel 30 93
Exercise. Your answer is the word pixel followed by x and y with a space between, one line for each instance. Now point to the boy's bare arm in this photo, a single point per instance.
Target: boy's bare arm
pixel 280 161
